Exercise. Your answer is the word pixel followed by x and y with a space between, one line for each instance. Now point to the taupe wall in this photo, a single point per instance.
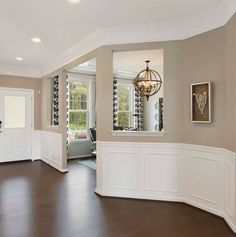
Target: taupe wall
pixel 207 57
pixel 203 60
pixel 26 83
pixel 230 85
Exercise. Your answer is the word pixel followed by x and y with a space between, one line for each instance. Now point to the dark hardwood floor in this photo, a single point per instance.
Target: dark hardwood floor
pixel 37 201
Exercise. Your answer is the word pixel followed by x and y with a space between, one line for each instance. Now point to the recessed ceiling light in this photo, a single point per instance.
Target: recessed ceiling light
pixel 19 59
pixel 36 40
pixel 73 1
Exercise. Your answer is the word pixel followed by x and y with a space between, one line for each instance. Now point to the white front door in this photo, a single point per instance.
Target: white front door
pixel 15 124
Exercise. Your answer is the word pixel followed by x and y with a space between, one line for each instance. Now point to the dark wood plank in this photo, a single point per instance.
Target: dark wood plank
pixel 37 201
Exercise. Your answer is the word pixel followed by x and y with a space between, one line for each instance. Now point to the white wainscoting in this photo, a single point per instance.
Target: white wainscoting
pixel 198 175
pixel 47 146
pixel 36 147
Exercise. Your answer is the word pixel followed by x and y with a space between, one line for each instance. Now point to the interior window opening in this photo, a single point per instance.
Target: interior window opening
pixel 81 110
pixel 138 90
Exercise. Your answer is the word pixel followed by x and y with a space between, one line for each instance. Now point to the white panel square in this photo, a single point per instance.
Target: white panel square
pixel 161 172
pixel 203 178
pixel 123 170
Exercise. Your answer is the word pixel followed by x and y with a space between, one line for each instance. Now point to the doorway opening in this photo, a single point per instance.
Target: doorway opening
pixel 81 114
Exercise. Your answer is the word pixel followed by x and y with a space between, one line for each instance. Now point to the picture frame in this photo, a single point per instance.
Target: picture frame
pixel 201 102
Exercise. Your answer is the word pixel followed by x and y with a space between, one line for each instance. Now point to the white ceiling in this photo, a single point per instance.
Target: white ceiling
pixel 134 61
pixel 88 67
pixel 127 63
pixel 69 30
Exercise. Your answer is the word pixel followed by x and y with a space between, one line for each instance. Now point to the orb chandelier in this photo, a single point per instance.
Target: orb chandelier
pixel 148 82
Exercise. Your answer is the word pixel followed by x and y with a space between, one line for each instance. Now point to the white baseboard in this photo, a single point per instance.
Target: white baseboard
pixel 127 195
pixel 54 166
pixel 182 200
pixel 229 222
pixel 35 159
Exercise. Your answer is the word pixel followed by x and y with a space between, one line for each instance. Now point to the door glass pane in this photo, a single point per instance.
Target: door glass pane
pixel 14 112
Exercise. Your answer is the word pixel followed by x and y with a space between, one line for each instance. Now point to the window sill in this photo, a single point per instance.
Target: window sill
pixel 79 140
pixel 52 127
pixel 137 133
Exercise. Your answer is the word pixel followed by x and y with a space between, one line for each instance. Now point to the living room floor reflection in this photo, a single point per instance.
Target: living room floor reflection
pixel 88 162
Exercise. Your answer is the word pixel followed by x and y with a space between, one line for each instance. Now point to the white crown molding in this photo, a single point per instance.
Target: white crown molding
pixel 196 24
pixel 191 26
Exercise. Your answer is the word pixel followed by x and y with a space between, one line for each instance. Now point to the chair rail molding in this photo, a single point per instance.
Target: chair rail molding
pixel 201 176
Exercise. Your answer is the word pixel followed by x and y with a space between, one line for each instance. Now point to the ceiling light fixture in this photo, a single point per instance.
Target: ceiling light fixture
pixel 19 59
pixel 73 1
pixel 36 40
pixel 148 82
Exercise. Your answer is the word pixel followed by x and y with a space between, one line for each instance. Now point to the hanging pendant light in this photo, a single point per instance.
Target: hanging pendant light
pixel 148 82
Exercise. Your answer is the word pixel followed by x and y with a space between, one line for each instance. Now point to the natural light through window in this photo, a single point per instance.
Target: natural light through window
pixel 125 118
pixel 78 110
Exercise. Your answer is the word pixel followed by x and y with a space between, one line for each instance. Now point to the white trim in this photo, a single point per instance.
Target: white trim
pixel 36 147
pixel 47 147
pixel 202 176
pixel 55 166
pixel 51 149
pixel 53 127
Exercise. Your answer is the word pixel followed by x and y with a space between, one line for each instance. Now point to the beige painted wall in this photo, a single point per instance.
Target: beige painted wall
pixel 26 83
pixel 230 85
pixel 211 57
pixel 203 60
pixel 206 57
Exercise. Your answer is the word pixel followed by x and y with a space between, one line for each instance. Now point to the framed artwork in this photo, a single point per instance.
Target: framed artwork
pixel 201 102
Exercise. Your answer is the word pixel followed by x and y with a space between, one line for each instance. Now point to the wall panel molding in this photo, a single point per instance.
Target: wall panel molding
pixel 47 146
pixel 36 150
pixel 201 176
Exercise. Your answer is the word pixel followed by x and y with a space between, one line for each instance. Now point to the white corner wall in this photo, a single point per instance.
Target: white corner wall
pixel 47 146
pixel 198 175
